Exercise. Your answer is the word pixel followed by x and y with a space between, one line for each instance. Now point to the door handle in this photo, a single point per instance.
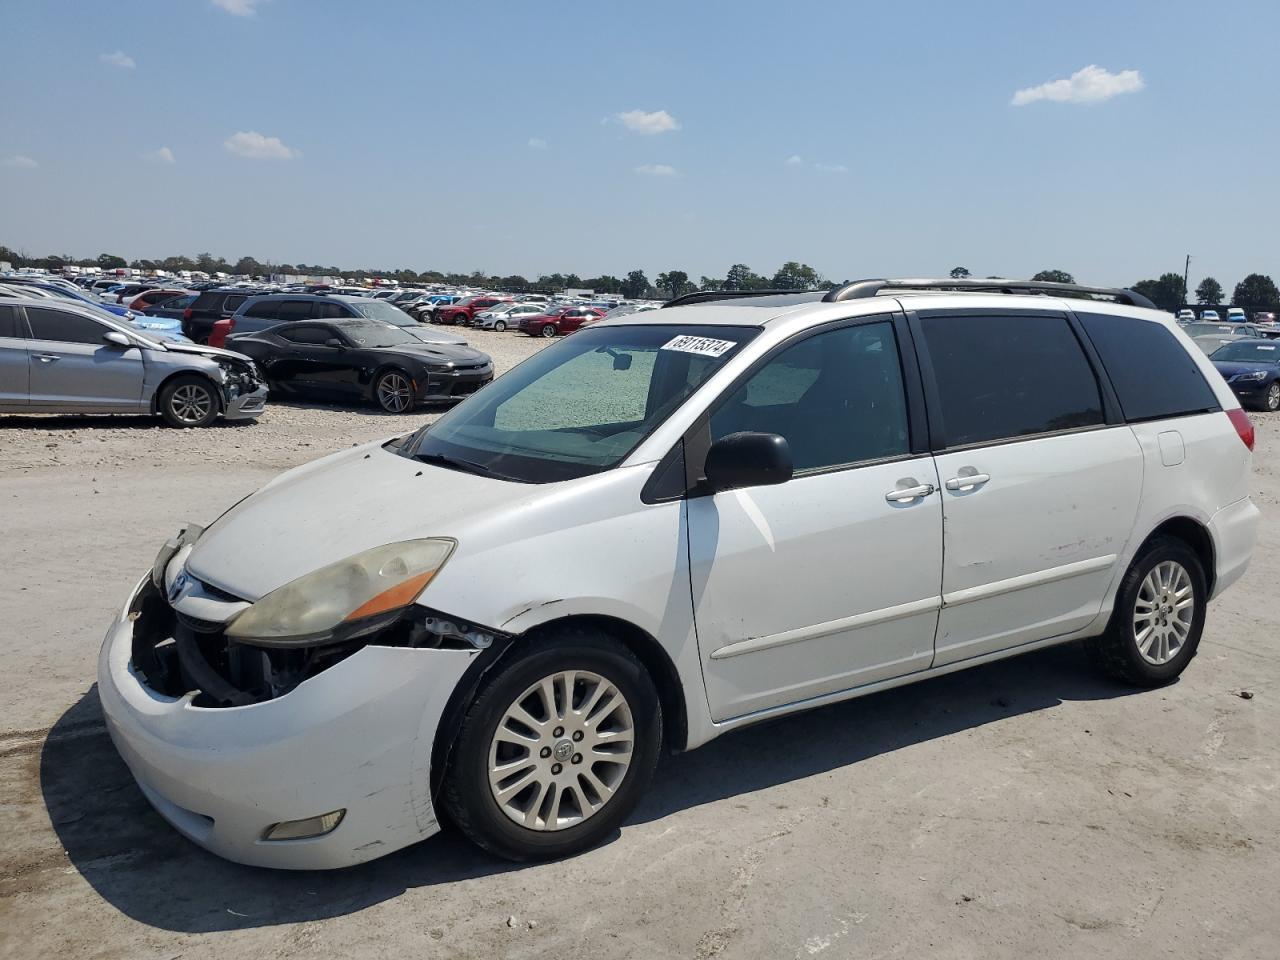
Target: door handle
pixel 904 494
pixel 967 481
pixel 47 357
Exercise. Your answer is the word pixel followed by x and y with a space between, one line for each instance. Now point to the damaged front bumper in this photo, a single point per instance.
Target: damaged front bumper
pixel 356 737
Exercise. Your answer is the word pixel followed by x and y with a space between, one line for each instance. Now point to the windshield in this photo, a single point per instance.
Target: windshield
pixel 582 405
pixel 375 333
pixel 1248 351
pixel 381 310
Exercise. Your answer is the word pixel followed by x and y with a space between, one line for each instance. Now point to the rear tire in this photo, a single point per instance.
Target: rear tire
pixel 556 748
pixel 1158 618
pixel 188 400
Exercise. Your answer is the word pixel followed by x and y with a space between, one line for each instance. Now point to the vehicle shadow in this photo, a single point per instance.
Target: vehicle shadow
pixel 145 869
pixel 103 421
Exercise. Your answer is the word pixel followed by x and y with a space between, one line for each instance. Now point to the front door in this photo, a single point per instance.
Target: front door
pixel 829 581
pixel 73 368
pixel 1039 492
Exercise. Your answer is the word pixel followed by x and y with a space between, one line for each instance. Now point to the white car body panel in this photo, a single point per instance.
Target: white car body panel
pixel 764 601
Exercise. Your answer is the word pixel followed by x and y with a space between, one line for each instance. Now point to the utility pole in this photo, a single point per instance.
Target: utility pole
pixel 1186 277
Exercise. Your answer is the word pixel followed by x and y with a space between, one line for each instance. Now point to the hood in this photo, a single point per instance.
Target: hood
pixel 436 336
pixel 333 508
pixel 438 352
pixel 1229 368
pixel 204 351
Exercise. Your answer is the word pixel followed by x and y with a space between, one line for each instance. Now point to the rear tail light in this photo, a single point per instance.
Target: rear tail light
pixel 1244 426
pixel 218 335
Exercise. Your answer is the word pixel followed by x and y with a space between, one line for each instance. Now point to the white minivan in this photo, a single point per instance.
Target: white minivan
pixel 662 528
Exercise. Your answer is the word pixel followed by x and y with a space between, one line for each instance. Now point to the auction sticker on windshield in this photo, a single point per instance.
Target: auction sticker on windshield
pixel 706 346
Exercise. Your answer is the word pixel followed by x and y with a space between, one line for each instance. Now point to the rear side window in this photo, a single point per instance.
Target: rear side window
pixel 64 327
pixel 263 310
pixel 1154 377
pixel 1001 377
pixel 307 334
pixel 232 303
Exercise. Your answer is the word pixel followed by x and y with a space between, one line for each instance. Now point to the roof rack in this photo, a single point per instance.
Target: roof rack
pixel 859 289
pixel 704 296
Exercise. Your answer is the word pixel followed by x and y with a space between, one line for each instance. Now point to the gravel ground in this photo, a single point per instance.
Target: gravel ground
pixel 1025 808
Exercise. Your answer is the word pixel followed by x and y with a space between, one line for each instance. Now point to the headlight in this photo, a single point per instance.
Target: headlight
pixel 187 535
pixel 344 599
pixel 1258 375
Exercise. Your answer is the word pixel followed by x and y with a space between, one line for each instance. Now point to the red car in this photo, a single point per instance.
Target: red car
pixel 149 298
pixel 560 321
pixel 465 310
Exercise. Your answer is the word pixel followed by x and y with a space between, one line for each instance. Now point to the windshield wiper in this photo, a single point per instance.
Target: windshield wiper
pixel 457 463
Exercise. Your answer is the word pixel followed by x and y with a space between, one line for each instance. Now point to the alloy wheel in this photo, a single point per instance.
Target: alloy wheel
pixel 395 393
pixel 1163 612
pixel 549 330
pixel 561 750
pixel 191 403
pixel 1273 397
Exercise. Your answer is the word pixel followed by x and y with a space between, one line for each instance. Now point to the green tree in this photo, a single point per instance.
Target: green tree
pixel 1054 276
pixel 636 285
pixel 1256 290
pixel 742 277
pixel 960 273
pixel 1209 292
pixel 797 276
pixel 1167 293
pixel 109 261
pixel 711 283
pixel 674 282
pixel 603 284
pixel 249 267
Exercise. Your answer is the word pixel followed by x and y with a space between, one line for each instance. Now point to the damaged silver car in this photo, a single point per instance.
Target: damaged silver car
pixel 68 359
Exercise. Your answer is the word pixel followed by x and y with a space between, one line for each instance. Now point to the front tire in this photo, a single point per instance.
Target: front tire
pixel 188 401
pixel 1271 402
pixel 1158 618
pixel 499 325
pixel 556 749
pixel 549 330
pixel 393 390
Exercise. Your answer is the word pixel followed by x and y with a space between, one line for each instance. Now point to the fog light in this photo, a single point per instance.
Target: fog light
pixel 302 829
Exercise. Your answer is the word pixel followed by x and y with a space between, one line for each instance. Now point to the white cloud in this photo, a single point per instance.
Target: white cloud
pixel 831 168
pixel 640 121
pixel 163 155
pixel 255 146
pixel 656 170
pixel 19 161
pixel 118 59
pixel 794 160
pixel 537 143
pixel 1091 84
pixel 239 8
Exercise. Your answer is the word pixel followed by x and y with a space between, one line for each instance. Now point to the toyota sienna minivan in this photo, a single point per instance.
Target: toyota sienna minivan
pixel 665 527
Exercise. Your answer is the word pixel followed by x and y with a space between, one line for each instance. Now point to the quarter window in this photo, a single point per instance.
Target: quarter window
pixel 1152 373
pixel 63 327
pixel 9 323
pixel 1001 377
pixel 836 397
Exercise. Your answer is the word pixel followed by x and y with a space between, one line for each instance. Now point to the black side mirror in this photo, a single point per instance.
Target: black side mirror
pixel 748 460
pixel 334 342
pixel 622 361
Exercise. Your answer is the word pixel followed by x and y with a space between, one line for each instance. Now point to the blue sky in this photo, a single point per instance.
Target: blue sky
pixel 602 137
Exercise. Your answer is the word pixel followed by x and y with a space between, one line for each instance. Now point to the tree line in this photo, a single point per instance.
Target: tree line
pixel 1168 291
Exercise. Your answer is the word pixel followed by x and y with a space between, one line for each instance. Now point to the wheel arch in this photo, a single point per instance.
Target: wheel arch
pixel 1196 536
pixel 169 378
pixel 386 367
pixel 651 654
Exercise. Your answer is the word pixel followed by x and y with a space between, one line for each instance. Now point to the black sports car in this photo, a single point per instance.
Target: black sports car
pixel 352 359
pixel 1252 371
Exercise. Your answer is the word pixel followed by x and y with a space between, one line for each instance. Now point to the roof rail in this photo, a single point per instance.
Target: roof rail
pixel 704 296
pixel 859 289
